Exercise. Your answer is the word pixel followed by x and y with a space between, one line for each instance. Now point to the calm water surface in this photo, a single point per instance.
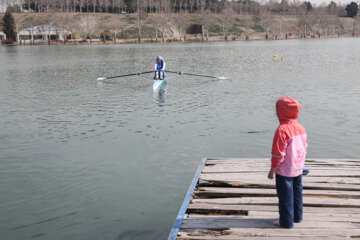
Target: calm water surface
pixel 86 160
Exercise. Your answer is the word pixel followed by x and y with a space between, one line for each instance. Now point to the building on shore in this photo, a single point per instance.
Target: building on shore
pixel 41 34
pixel 2 36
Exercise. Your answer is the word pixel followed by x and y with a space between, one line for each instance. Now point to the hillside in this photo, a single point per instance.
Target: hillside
pixel 172 26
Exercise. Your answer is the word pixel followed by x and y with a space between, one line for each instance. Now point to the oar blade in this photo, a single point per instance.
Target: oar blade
pixel 100 79
pixel 223 78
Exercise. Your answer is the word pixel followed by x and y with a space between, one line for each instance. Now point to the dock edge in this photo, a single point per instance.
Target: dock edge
pixel 188 196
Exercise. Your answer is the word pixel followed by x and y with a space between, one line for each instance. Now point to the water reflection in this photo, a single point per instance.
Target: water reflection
pixel 159 95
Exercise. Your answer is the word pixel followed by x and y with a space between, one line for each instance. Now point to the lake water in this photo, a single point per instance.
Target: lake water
pixel 113 160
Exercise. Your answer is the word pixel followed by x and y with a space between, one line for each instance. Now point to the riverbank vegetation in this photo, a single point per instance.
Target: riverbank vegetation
pixel 170 20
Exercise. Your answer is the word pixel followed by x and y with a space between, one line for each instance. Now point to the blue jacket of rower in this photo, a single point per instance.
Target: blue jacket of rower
pixel 161 64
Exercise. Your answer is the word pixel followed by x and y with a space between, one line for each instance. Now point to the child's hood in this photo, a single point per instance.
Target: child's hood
pixel 287 109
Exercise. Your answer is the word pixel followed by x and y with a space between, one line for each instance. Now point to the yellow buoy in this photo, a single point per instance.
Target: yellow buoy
pixel 282 59
pixel 231 52
pixel 275 56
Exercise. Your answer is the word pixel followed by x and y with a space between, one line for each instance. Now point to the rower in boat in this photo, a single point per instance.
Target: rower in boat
pixel 159 68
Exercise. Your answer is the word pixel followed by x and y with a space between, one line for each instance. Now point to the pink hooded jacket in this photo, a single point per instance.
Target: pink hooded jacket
pixel 290 140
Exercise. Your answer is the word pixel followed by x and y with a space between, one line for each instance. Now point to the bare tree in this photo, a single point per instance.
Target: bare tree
pixel 156 22
pixel 123 27
pixel 182 21
pixel 70 24
pixel 88 25
pixel 141 18
pixel 226 19
pixel 266 22
pixel 21 2
pixel 191 6
pixel 304 20
pixel 320 15
pixel 49 21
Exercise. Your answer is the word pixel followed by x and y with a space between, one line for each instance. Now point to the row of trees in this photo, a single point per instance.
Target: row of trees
pixel 307 20
pixel 175 26
pixel 285 7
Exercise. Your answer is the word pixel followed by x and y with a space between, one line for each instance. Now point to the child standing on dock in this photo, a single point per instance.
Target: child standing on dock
pixel 160 68
pixel 288 159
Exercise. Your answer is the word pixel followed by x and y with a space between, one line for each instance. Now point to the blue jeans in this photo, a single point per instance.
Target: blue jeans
pixel 289 191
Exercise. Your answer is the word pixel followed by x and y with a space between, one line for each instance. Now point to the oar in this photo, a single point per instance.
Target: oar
pixel 197 75
pixel 191 74
pixel 126 75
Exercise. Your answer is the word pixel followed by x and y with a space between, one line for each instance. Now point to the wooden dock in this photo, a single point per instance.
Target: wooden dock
pixel 233 199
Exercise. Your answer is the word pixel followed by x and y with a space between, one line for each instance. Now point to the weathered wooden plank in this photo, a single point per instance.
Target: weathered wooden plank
pixel 235 200
pixel 331 217
pixel 249 180
pixel 266 166
pixel 248 184
pixel 256 233
pixel 232 169
pixel 213 192
pixel 230 237
pixel 315 171
pixel 248 222
pixel 308 201
pixel 334 160
pixel 205 208
pixel 260 184
pixel 266 159
pixel 263 178
pixel 267 163
pixel 228 209
pixel 263 160
pixel 256 161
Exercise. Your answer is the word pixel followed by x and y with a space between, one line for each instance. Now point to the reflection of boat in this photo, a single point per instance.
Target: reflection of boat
pixel 160 97
pixel 159 84
pixel 159 91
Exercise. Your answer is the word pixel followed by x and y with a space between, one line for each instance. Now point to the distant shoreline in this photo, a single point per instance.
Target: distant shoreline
pixel 160 41
pixel 79 28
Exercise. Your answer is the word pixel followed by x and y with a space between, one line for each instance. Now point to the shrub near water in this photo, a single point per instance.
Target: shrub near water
pixel 257 26
pixel 215 30
pixel 106 34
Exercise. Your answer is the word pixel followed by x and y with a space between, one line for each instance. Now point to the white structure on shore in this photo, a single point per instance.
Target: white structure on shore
pixel 2 36
pixel 42 33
